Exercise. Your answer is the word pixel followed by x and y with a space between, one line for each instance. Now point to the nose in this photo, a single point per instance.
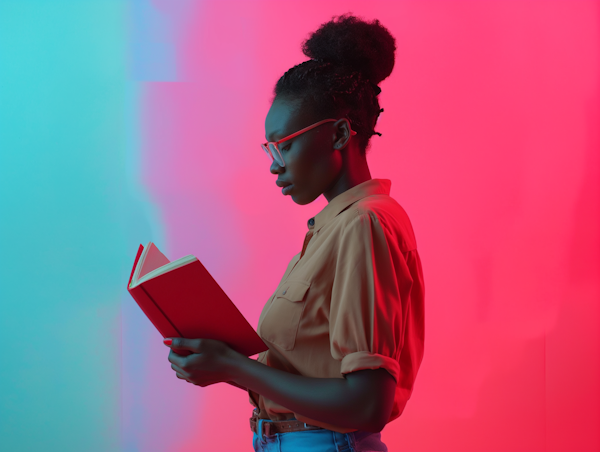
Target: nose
pixel 275 168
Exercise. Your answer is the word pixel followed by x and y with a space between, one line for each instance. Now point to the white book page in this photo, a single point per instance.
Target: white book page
pixel 150 259
pixel 153 263
pixel 166 268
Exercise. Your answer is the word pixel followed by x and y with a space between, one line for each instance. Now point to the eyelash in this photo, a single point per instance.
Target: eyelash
pixel 286 147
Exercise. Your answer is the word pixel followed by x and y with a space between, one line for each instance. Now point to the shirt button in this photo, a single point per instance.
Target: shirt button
pixel 284 292
pixel 311 222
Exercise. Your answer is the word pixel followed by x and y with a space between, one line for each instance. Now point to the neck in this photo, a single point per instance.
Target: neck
pixel 355 171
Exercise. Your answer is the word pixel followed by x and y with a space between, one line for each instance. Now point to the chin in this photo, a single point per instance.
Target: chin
pixel 302 201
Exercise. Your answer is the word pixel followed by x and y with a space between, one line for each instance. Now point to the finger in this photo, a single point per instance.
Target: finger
pixel 176 359
pixel 183 343
pixel 179 370
pixel 185 379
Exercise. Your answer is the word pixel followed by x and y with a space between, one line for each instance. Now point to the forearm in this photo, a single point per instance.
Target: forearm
pixel 330 400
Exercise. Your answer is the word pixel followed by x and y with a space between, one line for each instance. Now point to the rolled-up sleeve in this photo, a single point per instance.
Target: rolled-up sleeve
pixel 371 300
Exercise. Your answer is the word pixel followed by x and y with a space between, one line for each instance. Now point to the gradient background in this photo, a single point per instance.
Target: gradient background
pixel 128 121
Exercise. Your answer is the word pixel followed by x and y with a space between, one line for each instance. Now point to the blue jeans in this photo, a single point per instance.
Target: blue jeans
pixel 317 441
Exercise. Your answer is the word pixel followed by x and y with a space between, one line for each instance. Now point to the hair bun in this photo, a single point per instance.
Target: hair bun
pixel 366 47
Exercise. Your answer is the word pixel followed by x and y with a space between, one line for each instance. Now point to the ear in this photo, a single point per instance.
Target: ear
pixel 342 133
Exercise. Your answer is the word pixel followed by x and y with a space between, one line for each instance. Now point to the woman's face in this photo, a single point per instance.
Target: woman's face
pixel 312 164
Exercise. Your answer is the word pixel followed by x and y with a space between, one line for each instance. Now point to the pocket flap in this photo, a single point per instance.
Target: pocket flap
pixel 293 290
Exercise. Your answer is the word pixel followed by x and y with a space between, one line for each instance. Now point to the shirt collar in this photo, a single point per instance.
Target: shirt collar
pixel 347 198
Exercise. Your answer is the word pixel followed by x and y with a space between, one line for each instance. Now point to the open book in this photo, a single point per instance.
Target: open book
pixel 182 299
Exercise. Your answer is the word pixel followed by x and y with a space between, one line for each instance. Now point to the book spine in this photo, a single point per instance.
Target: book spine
pixel 156 315
pixel 153 312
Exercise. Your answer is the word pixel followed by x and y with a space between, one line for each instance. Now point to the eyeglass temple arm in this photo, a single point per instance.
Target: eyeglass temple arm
pixel 306 129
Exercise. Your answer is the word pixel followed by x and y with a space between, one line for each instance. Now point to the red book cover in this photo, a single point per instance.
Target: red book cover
pixel 182 299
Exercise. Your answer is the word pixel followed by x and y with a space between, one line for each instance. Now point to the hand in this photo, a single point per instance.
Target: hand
pixel 210 361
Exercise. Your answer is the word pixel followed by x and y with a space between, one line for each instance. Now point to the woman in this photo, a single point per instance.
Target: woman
pixel 345 326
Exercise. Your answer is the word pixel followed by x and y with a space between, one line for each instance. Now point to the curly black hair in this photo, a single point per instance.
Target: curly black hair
pixel 349 58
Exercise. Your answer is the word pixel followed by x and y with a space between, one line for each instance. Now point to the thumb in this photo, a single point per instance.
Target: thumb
pixel 181 343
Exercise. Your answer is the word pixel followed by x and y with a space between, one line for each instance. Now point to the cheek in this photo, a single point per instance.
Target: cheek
pixel 322 158
pixel 308 172
pixel 312 167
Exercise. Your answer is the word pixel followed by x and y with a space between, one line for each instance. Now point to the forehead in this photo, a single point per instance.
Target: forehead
pixel 285 117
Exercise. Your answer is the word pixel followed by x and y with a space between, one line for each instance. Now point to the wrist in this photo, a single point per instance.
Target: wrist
pixel 232 363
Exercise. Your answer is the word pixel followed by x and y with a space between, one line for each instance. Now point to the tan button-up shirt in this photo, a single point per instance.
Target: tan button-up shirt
pixel 353 301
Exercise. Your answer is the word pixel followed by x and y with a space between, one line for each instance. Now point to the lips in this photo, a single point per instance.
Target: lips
pixel 286 186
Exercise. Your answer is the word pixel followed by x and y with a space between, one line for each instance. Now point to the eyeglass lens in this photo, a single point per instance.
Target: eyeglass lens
pixel 276 155
pixel 273 154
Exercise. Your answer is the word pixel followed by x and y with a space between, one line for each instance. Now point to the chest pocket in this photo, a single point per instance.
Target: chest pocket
pixel 280 325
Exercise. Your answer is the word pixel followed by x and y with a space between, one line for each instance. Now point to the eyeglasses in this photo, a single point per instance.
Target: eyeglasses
pixel 272 147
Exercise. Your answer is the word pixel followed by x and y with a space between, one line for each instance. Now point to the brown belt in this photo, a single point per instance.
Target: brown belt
pixel 272 427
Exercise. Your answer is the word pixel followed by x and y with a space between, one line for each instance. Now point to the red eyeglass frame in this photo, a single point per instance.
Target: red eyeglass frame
pixel 267 146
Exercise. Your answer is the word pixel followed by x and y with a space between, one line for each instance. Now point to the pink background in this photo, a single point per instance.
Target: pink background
pixel 491 140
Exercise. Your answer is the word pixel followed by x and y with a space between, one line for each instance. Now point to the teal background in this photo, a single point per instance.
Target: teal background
pixel 70 198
